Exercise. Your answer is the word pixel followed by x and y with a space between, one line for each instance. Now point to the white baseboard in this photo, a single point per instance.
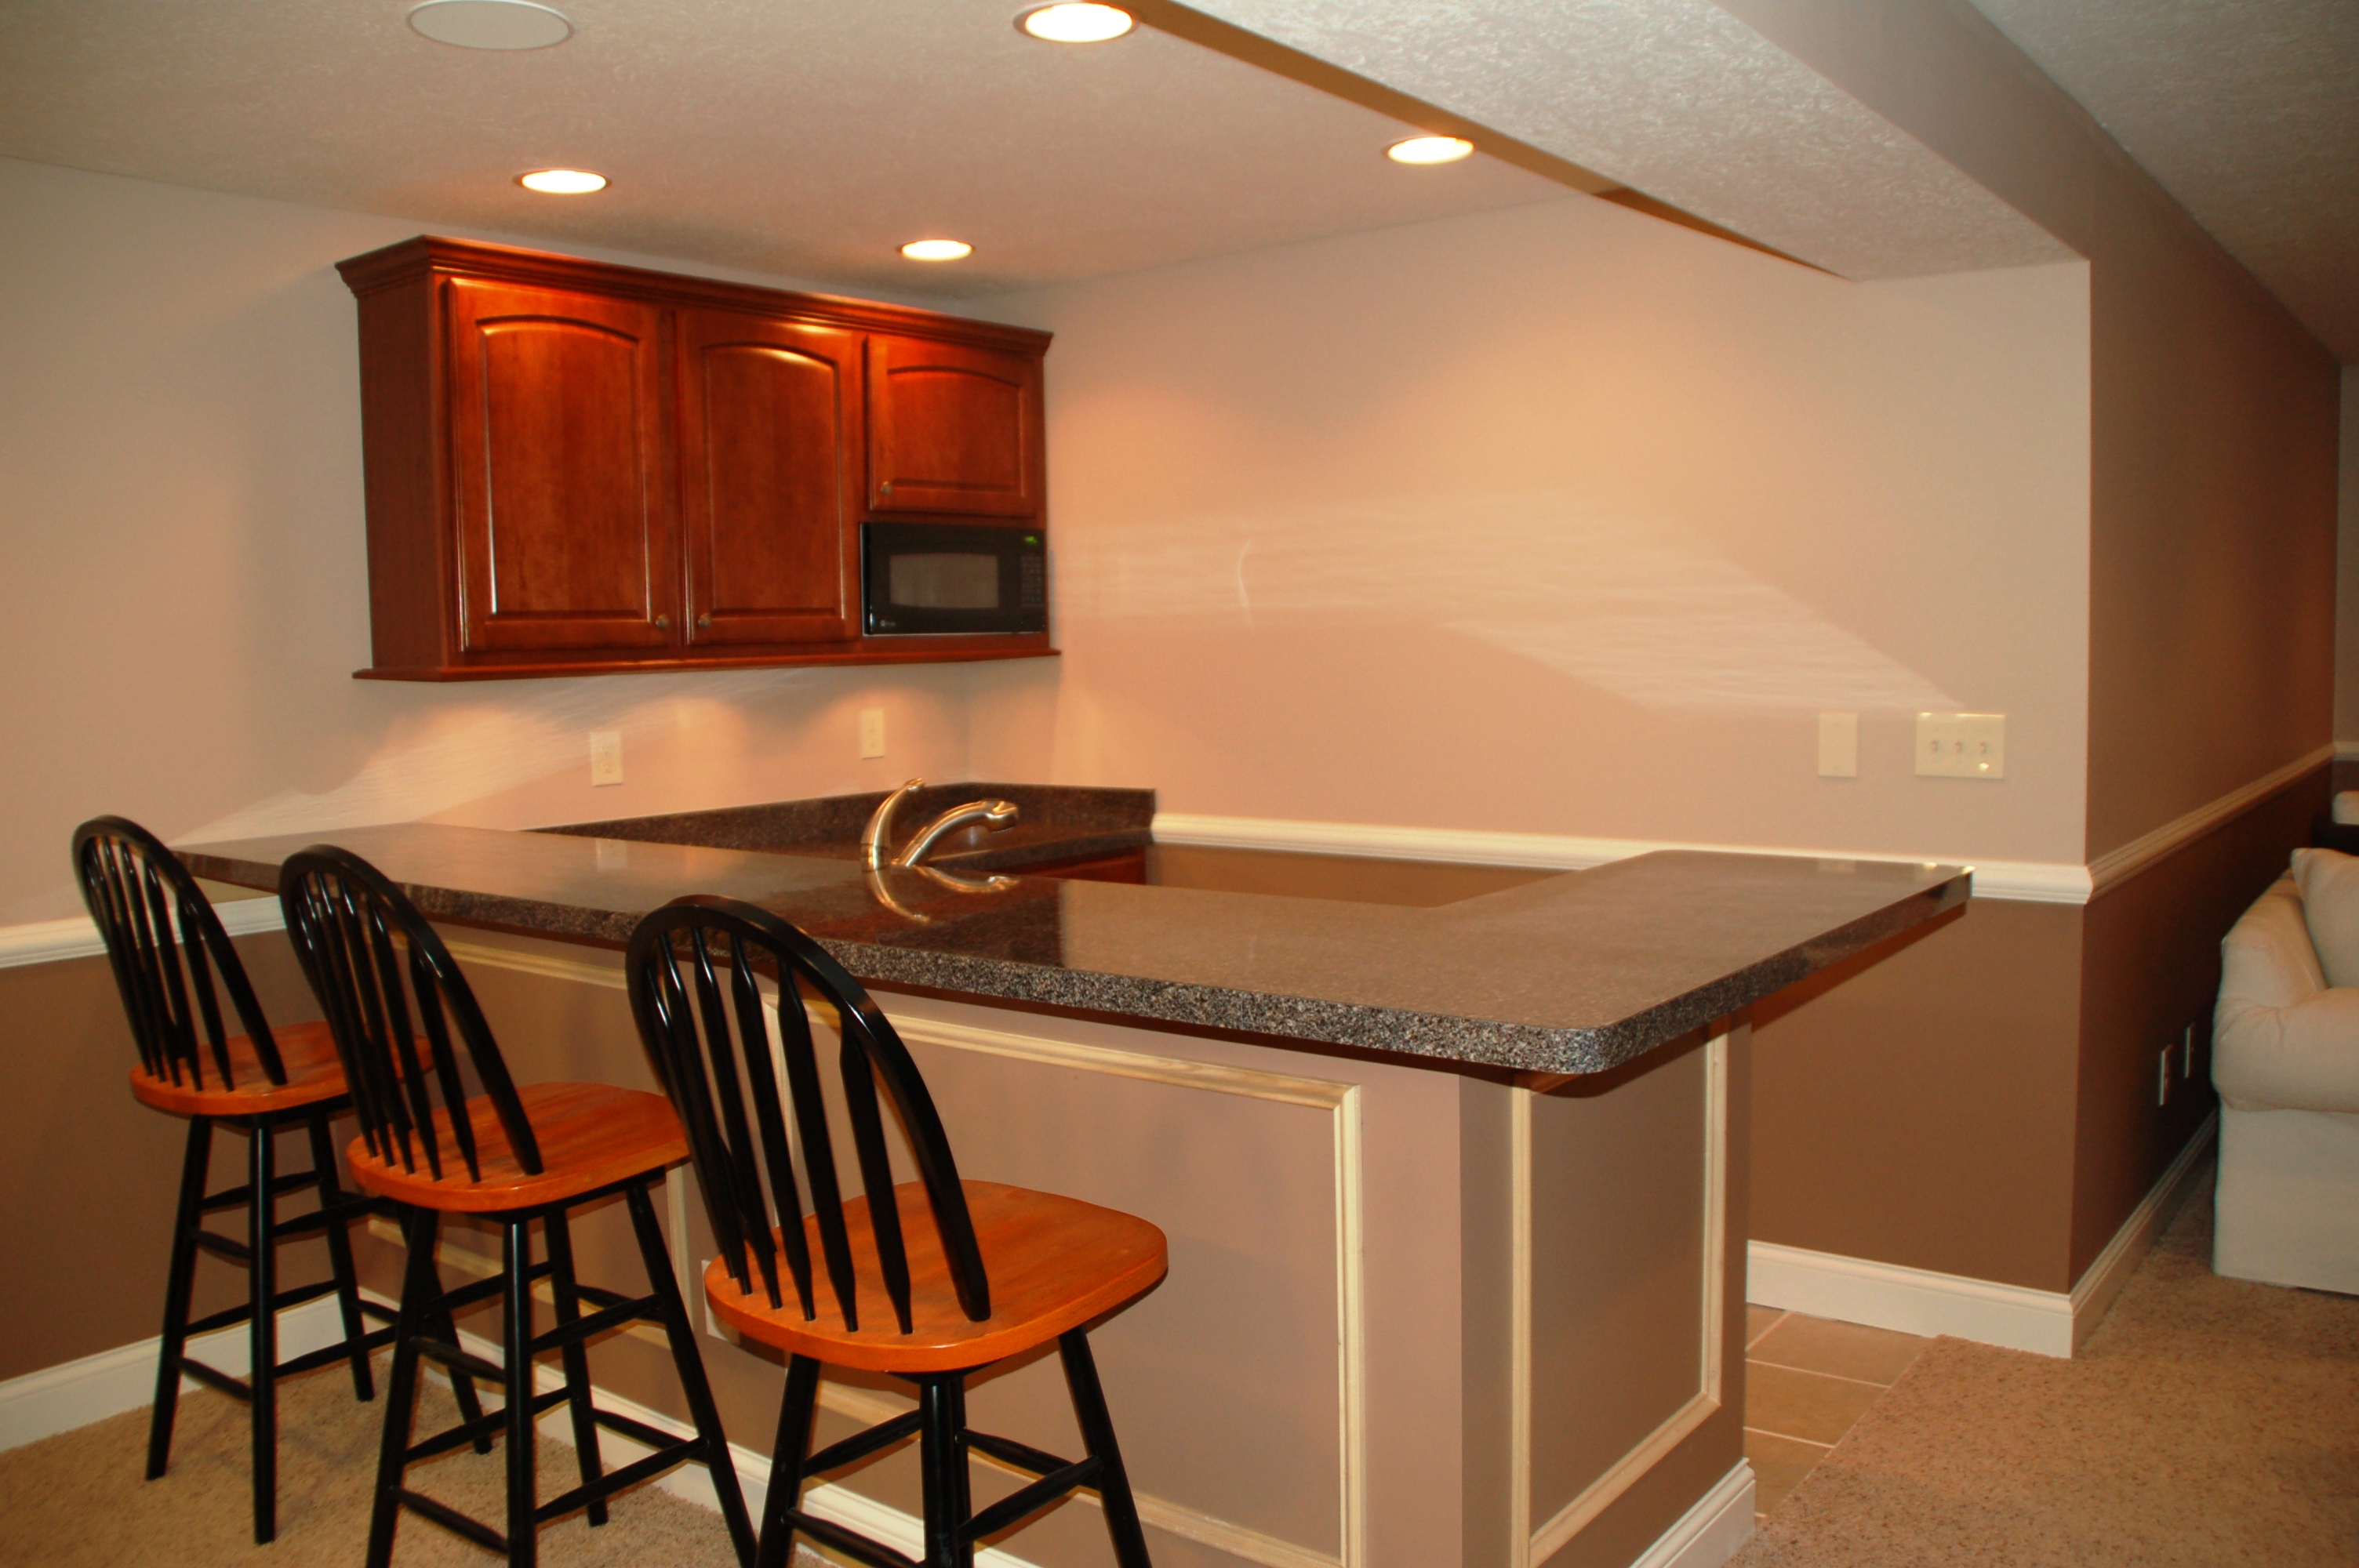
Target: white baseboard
pixel 75 1393
pixel 1919 1300
pixel 1710 1532
pixel 2102 1280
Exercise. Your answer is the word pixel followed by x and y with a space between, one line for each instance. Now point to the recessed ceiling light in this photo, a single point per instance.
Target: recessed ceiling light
pixel 937 250
pixel 490 24
pixel 1429 149
pixel 562 181
pixel 1075 23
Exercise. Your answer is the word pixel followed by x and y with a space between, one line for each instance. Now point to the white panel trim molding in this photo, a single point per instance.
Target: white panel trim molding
pixel 1922 1302
pixel 1709 1533
pixel 2039 881
pixel 1526 1544
pixel 2114 867
pixel 2346 751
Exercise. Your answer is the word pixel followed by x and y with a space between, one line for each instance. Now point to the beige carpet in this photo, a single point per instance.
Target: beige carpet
pixel 2209 1421
pixel 78 1498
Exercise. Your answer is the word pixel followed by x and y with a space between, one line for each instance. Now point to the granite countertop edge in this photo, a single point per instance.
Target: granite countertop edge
pixel 1365 1027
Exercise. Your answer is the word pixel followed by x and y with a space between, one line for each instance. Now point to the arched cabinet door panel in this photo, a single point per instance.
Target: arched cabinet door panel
pixel 769 423
pixel 952 429
pixel 564 529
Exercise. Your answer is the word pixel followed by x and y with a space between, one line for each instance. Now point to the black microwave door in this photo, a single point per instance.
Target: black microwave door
pixel 930 580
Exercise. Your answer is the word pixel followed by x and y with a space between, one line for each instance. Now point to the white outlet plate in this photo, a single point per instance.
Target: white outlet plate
pixel 1838 745
pixel 872 732
pixel 606 757
pixel 1962 745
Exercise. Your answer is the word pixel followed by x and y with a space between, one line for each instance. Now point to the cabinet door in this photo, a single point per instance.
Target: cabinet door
pixel 566 538
pixel 769 419
pixel 952 429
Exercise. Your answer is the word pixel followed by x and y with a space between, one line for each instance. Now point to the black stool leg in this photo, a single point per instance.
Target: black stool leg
pixel 331 1195
pixel 418 1292
pixel 516 1332
pixel 262 1376
pixel 576 1357
pixel 688 1362
pixel 1097 1437
pixel 179 1279
pixel 941 1456
pixel 463 1384
pixel 795 1412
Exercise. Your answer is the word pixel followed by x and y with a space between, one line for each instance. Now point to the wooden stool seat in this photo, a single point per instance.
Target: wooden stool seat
pixel 590 1136
pixel 308 1051
pixel 1056 1262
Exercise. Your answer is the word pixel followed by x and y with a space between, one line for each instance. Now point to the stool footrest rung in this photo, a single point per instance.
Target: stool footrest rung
pixel 851 1543
pixel 1026 1501
pixel 491 1425
pixel 213 1377
pixel 860 1445
pixel 237 1197
pixel 1023 1455
pixel 452 1519
pixel 614 1481
pixel 223 1246
pixel 597 1322
pixel 243 1311
pixel 599 1296
pixel 450 1355
pixel 637 1431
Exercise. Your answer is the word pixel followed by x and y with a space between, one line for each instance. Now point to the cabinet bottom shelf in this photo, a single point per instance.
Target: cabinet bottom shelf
pixel 891 653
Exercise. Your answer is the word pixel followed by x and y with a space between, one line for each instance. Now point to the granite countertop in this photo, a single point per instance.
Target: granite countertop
pixel 1573 973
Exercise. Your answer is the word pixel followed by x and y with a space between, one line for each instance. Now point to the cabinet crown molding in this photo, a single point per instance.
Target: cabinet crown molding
pixel 410 261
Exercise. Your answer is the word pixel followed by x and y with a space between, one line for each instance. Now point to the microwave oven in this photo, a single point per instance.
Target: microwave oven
pixel 933 578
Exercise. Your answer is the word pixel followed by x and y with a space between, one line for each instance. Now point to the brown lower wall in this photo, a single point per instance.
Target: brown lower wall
pixel 1981 1098
pixel 1915 1105
pixel 90 1173
pixel 2149 973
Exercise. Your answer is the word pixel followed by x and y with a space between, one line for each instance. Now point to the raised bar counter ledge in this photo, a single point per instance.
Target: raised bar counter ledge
pixel 1576 972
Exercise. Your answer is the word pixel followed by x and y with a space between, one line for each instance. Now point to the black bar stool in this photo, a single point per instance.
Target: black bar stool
pixel 926 1310
pixel 167 946
pixel 401 1010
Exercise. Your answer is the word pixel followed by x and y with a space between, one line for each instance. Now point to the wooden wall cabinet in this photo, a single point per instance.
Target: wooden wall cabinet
pixel 575 468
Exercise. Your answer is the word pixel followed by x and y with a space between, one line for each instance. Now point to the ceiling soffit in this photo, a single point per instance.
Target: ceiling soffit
pixel 1676 99
pixel 2247 112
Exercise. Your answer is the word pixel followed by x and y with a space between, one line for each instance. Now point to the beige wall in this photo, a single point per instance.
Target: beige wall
pixel 1562 519
pixel 180 446
pixel 2211 419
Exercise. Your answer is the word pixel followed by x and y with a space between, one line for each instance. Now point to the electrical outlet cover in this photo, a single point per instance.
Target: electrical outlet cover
pixel 1962 745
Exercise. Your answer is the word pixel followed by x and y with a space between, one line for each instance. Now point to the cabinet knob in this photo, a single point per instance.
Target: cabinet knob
pixel 703 621
pixel 663 622
pixel 886 488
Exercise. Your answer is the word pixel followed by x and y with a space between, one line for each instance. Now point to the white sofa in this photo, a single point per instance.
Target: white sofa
pixel 2285 1058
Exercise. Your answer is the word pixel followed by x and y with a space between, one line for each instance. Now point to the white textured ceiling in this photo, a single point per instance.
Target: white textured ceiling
pixel 2247 111
pixel 1681 101
pixel 802 139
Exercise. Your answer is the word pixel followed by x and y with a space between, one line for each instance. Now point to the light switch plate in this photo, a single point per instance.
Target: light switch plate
pixel 872 732
pixel 606 757
pixel 1838 745
pixel 1962 745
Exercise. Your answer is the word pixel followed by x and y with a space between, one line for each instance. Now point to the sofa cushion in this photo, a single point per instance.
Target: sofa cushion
pixel 2267 959
pixel 2303 1057
pixel 2329 905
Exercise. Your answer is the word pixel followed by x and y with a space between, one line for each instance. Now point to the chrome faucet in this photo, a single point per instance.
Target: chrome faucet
pixel 875 839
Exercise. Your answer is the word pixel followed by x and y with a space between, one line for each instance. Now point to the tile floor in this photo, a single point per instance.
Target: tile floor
pixel 1806 1380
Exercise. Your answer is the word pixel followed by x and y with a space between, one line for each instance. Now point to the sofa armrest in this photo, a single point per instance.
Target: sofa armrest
pixel 2302 1058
